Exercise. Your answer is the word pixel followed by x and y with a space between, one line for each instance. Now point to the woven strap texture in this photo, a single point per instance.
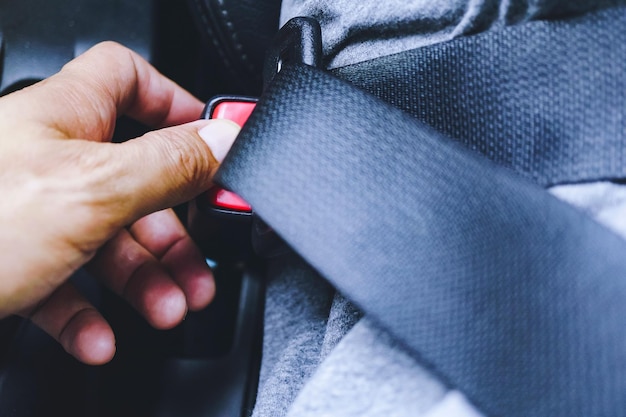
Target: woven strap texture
pixel 545 98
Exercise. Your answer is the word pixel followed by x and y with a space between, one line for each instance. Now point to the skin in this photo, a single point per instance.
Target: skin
pixel 71 198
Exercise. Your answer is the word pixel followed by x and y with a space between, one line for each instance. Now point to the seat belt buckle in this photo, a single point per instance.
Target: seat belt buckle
pixel 222 223
pixel 219 220
pixel 236 109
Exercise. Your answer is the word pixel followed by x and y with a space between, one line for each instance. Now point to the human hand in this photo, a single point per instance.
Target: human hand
pixel 69 197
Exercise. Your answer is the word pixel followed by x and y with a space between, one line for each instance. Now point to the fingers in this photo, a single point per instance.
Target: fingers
pixel 76 325
pixel 167 167
pixel 157 269
pixel 87 96
pixel 163 235
pixel 162 169
pixel 134 273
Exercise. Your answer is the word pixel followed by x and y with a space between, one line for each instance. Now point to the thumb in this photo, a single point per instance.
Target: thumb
pixel 170 166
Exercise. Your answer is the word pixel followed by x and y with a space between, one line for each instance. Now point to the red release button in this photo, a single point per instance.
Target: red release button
pixel 220 198
pixel 238 112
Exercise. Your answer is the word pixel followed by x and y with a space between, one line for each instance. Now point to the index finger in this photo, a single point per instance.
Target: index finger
pixel 87 96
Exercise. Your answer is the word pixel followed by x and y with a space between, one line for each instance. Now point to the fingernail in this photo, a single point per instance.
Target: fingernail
pixel 219 135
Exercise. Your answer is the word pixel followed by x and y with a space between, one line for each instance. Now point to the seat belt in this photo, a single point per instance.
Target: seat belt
pixel 545 98
pixel 509 294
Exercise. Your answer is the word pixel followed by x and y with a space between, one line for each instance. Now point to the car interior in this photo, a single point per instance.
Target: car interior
pixel 469 245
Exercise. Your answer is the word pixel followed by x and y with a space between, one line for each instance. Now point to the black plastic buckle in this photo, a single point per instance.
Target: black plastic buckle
pixel 222 223
pixel 228 220
pixel 220 220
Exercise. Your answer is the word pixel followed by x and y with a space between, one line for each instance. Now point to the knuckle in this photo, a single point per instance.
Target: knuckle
pixel 110 48
pixel 188 158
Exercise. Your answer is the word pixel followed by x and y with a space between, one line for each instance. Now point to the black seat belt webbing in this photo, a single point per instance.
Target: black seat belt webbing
pixel 511 295
pixel 514 296
pixel 545 98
